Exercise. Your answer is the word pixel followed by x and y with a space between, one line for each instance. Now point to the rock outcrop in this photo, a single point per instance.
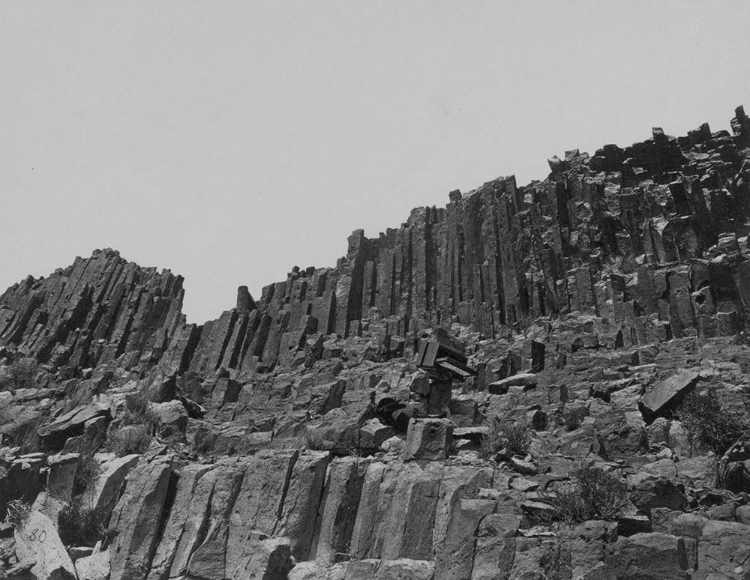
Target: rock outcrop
pixel 299 435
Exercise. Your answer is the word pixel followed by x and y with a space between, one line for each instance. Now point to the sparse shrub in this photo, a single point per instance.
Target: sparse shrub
pixel 505 434
pixel 571 418
pixel 315 439
pixel 18 513
pixel 491 441
pixel 517 438
pixel 138 412
pixel 79 525
pixel 711 426
pixel 129 439
pixel 592 494
pixel 20 374
pixel 204 441
pixel 88 473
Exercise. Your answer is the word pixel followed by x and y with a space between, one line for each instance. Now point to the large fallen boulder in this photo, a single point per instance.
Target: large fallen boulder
pixel 664 396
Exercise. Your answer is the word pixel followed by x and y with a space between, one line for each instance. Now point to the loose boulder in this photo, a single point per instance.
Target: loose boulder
pixel 430 439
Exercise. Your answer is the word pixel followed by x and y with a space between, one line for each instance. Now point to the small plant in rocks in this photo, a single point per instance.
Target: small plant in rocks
pixel 710 426
pixel 504 434
pixel 592 494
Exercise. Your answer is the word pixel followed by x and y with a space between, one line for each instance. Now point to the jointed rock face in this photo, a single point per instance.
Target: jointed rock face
pixel 289 437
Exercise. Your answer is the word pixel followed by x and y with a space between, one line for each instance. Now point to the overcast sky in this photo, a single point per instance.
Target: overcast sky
pixel 230 141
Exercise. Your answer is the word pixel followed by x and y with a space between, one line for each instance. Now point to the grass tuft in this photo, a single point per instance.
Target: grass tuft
pixel 592 494
pixel 129 439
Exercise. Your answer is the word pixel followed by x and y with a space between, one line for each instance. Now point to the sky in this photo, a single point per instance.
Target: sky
pixel 230 141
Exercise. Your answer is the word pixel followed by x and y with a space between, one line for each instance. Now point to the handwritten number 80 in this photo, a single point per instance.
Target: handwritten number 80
pixel 35 535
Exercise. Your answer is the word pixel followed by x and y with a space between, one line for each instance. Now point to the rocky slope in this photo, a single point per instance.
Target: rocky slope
pixel 603 310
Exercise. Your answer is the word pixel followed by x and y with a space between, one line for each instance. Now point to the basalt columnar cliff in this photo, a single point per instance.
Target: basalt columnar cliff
pixel 601 314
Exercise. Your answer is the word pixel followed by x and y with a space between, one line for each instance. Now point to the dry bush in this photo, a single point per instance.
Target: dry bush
pixel 18 513
pixel 204 441
pixel 88 473
pixel 129 439
pixel 491 442
pixel 592 494
pixel 315 439
pixel 711 426
pixel 79 525
pixel 138 412
pixel 20 374
pixel 505 434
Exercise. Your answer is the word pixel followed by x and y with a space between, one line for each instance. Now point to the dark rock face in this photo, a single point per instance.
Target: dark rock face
pixel 93 312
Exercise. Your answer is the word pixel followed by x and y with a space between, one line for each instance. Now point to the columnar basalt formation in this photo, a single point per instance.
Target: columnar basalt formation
pixel 93 312
pixel 652 238
pixel 417 411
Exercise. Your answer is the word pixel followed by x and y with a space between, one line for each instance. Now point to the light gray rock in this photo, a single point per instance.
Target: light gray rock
pixel 93 567
pixel 37 541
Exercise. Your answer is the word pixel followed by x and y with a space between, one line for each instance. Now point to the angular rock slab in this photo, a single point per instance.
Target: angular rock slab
pixel 137 519
pixel 662 396
pixel 341 498
pixel 649 555
pixel 103 495
pixel 178 517
pixel 302 500
pixel 723 551
pixel 454 560
pixel 93 567
pixel 429 439
pixel 259 503
pixel 38 541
